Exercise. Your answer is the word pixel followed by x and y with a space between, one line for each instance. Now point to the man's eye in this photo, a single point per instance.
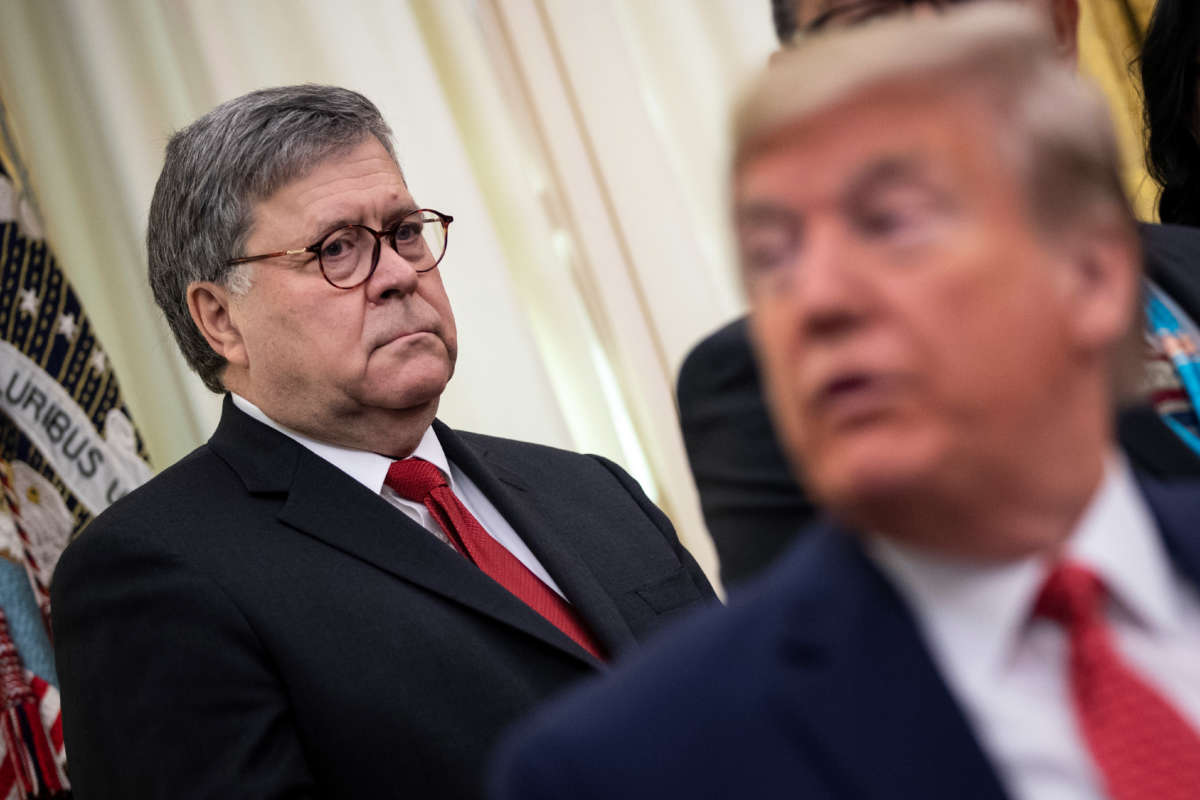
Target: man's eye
pixel 881 223
pixel 764 257
pixel 338 246
pixel 765 248
pixel 408 232
pixel 895 225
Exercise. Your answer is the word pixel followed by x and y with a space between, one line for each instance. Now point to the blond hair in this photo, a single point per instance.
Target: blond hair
pixel 1003 57
pixel 1051 123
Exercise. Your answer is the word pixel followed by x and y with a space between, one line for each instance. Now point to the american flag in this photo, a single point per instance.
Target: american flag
pixel 67 450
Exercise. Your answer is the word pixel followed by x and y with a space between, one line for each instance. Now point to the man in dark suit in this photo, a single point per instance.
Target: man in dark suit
pixel 753 505
pixel 943 278
pixel 338 595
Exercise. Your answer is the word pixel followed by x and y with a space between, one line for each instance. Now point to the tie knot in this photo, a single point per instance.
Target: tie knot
pixel 413 478
pixel 1071 594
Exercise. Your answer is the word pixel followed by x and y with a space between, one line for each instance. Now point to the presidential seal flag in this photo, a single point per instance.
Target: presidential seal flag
pixel 67 450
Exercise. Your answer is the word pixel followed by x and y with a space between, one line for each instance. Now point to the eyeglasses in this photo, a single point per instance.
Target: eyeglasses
pixel 349 255
pixel 850 14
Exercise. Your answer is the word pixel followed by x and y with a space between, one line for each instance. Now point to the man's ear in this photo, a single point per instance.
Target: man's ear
pixel 209 304
pixel 1066 26
pixel 1102 286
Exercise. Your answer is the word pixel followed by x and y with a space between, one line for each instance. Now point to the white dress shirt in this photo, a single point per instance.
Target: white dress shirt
pixel 370 469
pixel 1008 670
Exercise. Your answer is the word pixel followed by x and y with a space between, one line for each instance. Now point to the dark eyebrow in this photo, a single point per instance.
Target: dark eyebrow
pixel 325 229
pixel 760 212
pixel 392 216
pixel 396 214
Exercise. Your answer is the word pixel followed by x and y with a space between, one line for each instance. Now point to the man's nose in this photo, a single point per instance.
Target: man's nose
pixel 393 274
pixel 829 290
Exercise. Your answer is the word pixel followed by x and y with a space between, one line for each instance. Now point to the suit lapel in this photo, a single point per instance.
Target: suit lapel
pixel 323 502
pixel 516 501
pixel 858 682
pixel 1176 508
pixel 1152 447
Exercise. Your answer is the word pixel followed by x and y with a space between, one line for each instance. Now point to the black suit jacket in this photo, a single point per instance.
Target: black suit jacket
pixel 754 507
pixel 255 623
pixel 814 683
pixel 751 502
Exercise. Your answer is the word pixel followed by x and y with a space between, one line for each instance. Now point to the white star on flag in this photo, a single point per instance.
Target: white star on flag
pixel 29 301
pixel 98 361
pixel 66 325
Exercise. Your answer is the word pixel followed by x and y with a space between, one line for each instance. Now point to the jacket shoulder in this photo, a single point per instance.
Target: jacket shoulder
pixel 190 504
pixel 540 463
pixel 198 478
pixel 721 361
pixel 486 443
pixel 707 653
pixel 609 734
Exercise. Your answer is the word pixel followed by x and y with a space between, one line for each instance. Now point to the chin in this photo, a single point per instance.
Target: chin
pixel 413 392
pixel 855 490
pixel 876 471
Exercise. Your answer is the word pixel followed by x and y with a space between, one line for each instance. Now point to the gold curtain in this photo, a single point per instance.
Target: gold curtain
pixel 1110 35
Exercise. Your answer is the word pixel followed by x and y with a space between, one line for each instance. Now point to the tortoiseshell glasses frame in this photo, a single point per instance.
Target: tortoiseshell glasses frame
pixel 419 237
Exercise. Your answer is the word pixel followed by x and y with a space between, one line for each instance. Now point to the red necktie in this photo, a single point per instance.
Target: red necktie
pixel 1143 746
pixel 422 482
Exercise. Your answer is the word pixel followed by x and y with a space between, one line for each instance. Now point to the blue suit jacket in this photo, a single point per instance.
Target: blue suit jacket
pixel 814 684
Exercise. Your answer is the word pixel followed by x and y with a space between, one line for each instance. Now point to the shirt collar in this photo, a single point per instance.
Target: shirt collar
pixel 366 467
pixel 974 613
pixel 1119 540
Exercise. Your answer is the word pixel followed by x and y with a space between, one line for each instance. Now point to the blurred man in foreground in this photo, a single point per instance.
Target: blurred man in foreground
pixel 753 505
pixel 338 595
pixel 943 275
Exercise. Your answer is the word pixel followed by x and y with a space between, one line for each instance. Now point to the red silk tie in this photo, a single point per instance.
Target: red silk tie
pixel 422 482
pixel 1143 746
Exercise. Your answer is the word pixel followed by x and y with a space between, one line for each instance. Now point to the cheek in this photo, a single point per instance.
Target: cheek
pixel 449 330
pixel 982 340
pixel 327 334
pixel 771 327
pixel 433 292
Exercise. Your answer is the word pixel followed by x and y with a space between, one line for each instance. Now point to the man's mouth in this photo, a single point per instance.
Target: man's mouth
pixel 854 397
pixel 402 335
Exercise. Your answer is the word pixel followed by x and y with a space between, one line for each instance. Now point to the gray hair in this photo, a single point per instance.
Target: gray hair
pixel 217 169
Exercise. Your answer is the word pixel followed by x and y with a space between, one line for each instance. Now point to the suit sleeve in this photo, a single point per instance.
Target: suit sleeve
pixel 656 516
pixel 166 690
pixel 538 769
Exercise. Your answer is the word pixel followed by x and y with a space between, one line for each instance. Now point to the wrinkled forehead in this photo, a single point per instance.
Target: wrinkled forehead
pixel 347 185
pixel 906 114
